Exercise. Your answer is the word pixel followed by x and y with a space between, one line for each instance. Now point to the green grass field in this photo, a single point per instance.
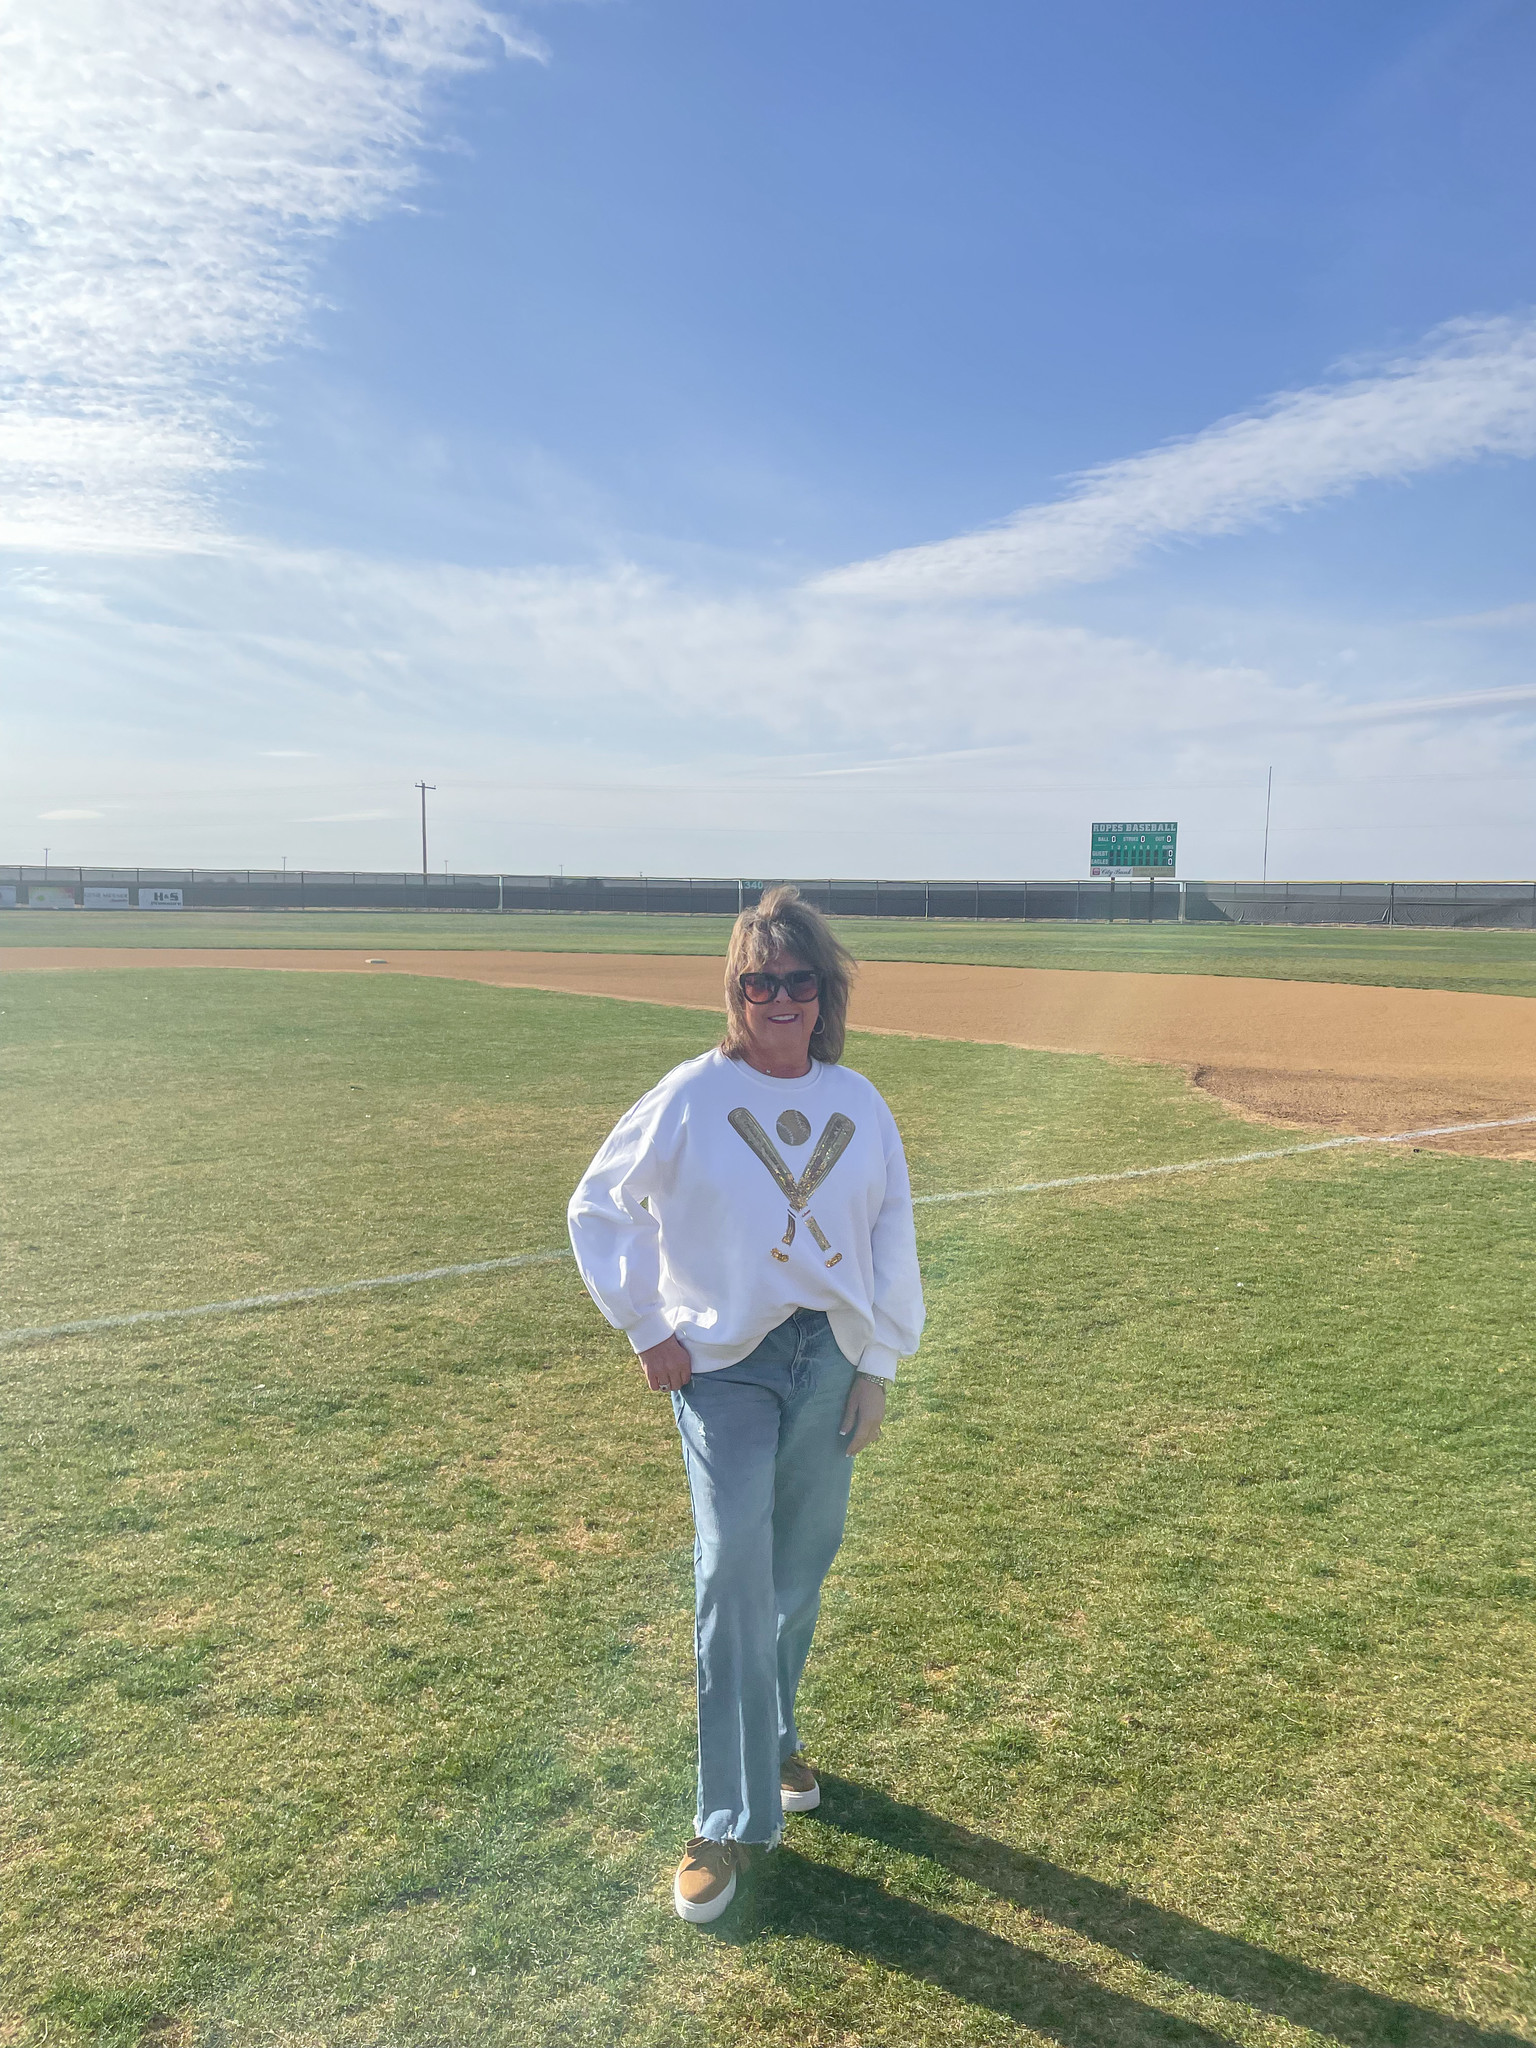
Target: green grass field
pixel 1493 963
pixel 1174 1684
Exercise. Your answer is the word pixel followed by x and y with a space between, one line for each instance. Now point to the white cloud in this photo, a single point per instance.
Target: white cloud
pixel 65 815
pixel 620 721
pixel 1516 697
pixel 356 648
pixel 168 172
pixel 358 642
pixel 1510 615
pixel 1469 392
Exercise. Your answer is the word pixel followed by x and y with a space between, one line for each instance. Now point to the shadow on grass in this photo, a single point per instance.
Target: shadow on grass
pixel 794 1896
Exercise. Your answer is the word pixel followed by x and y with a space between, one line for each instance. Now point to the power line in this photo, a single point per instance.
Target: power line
pixel 967 790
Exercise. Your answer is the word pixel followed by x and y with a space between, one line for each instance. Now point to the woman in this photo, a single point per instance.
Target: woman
pixel 748 1225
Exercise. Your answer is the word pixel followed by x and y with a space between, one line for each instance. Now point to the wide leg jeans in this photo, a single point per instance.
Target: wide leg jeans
pixel 769 1475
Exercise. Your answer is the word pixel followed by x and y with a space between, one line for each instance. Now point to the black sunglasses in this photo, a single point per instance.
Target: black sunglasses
pixel 800 986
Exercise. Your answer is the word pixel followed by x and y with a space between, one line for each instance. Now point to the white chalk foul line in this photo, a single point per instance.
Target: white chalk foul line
pixel 252 1301
pixel 1025 1187
pixel 1088 1180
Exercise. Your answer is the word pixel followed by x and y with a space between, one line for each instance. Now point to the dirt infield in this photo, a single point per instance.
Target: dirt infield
pixel 1327 1055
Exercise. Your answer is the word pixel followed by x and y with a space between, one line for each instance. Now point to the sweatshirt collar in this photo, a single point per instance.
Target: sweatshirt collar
pixel 770 1081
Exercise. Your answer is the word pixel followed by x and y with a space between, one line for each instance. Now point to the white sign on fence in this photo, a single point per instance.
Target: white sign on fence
pixel 160 899
pixel 7 895
pixel 106 899
pixel 49 896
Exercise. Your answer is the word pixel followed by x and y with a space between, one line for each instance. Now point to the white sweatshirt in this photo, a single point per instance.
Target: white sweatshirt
pixel 760 1197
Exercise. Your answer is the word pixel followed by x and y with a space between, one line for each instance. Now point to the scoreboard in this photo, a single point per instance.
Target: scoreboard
pixel 1133 849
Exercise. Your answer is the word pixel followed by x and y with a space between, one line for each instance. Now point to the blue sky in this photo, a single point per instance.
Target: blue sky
pixel 664 427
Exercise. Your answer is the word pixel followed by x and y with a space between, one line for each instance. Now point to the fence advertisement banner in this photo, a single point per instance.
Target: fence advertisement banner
pixel 106 899
pixel 160 899
pixel 49 896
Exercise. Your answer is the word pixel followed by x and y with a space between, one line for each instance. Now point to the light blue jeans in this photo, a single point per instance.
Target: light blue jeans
pixel 769 1477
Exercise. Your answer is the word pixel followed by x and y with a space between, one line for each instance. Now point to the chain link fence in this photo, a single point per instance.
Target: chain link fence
pixel 1439 905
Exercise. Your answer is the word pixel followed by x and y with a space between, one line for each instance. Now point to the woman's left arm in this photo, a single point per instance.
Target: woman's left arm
pixel 897 1297
pixel 898 1288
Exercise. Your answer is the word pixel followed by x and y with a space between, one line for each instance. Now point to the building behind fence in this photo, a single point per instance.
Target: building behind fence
pixel 1484 905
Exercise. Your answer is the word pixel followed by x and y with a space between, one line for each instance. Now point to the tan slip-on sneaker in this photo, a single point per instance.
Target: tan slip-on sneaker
pixel 799 1790
pixel 705 1883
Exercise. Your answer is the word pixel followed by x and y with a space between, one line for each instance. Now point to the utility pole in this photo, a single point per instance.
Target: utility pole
pixel 1269 790
pixel 424 787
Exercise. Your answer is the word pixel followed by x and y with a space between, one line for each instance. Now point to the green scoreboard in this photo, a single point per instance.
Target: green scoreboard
pixel 1140 849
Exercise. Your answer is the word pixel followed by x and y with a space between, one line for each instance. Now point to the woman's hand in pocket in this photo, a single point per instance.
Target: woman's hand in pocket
pixel 667 1365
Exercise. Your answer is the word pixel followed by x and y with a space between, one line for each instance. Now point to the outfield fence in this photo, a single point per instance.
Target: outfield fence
pixel 1443 905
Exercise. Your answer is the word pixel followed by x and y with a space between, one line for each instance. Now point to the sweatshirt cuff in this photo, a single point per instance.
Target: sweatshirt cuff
pixel 878 1359
pixel 650 1330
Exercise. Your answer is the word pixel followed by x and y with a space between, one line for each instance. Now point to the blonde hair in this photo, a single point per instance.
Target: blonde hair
pixel 783 922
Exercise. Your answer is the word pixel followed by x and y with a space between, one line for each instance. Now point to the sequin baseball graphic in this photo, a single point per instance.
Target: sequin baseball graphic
pixel 797 1191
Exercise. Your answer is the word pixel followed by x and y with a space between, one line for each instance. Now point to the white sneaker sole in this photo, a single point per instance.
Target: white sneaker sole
pixel 711 1909
pixel 800 1802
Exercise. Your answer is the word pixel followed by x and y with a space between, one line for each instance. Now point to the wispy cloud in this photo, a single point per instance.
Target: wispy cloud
pixel 1516 616
pixel 554 710
pixel 62 816
pixel 1515 698
pixel 348 818
pixel 352 647
pixel 1469 392
pixel 169 171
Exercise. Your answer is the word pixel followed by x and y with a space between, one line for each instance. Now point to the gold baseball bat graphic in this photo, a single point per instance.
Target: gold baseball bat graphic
pixel 830 1147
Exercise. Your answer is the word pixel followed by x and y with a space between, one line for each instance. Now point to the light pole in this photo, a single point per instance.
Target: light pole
pixel 1269 790
pixel 424 787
